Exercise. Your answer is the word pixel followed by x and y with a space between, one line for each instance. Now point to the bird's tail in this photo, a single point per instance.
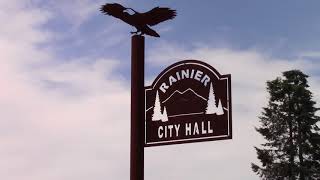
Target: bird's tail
pixel 150 32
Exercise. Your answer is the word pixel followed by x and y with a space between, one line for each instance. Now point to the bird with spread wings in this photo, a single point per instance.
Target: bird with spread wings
pixel 141 21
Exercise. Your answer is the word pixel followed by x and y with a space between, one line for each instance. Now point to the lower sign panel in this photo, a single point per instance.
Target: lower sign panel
pixel 188 102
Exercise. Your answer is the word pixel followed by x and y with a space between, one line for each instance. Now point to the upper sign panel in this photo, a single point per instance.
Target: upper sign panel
pixel 188 102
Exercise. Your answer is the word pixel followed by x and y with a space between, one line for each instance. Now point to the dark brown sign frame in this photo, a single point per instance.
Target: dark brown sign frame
pixel 225 131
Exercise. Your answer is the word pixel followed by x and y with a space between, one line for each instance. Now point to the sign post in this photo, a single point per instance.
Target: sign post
pixel 190 101
pixel 137 111
pixel 142 22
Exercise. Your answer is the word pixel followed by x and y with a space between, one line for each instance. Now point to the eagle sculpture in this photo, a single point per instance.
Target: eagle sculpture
pixel 141 21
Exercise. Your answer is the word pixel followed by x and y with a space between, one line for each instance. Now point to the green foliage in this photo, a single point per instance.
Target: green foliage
pixel 289 126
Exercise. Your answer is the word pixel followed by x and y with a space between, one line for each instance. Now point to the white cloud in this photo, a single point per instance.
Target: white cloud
pixel 75 12
pixel 58 121
pixel 310 54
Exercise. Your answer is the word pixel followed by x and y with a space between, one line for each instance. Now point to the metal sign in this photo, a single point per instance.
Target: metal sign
pixel 188 102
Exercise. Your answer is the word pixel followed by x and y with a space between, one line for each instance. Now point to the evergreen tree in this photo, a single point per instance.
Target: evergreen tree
pixel 157 115
pixel 211 102
pixel 220 109
pixel 164 115
pixel 289 125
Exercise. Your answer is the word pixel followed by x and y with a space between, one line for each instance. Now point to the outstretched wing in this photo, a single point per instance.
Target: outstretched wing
pixel 113 9
pixel 158 15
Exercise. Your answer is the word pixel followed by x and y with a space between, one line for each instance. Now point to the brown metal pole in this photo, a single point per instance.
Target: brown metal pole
pixel 137 108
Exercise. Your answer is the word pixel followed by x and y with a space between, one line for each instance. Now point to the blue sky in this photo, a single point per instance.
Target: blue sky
pixel 283 29
pixel 288 26
pixel 65 76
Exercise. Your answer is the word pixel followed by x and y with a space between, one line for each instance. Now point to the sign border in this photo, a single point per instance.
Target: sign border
pixel 192 140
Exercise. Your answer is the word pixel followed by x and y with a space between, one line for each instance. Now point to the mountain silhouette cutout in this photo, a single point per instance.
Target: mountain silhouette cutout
pixel 184 102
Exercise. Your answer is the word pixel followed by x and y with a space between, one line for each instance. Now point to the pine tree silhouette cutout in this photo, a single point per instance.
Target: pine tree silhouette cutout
pixel 220 108
pixel 164 115
pixel 211 102
pixel 157 115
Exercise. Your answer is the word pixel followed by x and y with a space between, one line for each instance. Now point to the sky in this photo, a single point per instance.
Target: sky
pixel 65 83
